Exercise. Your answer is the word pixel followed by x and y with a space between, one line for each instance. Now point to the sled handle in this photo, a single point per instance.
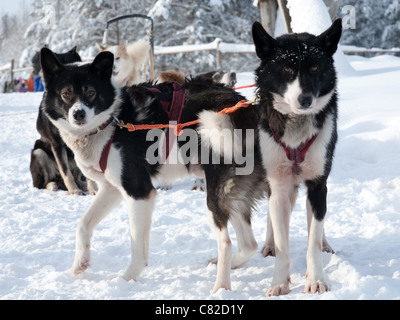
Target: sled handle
pixel 137 15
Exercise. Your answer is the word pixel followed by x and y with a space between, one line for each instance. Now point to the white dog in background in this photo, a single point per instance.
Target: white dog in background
pixel 128 59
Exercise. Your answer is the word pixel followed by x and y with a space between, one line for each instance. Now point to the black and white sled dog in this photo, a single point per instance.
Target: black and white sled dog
pixel 297 86
pixel 52 163
pixel 86 106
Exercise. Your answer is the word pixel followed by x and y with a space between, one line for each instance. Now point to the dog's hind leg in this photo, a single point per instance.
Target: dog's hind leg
pixel 106 199
pixel 60 154
pixel 140 212
pixel 224 254
pixel 269 246
pixel 247 245
pixel 316 204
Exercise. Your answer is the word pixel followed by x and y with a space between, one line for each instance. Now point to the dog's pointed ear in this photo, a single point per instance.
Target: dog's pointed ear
pixel 49 63
pixel 263 42
pixel 103 64
pixel 329 39
pixel 100 47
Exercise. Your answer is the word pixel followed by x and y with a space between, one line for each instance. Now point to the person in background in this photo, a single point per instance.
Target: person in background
pixel 37 79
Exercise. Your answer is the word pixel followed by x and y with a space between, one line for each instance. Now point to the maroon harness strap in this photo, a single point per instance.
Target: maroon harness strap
pixel 106 150
pixel 173 107
pixel 297 155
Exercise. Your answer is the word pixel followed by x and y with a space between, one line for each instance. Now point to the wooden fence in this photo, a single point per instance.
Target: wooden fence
pixel 220 49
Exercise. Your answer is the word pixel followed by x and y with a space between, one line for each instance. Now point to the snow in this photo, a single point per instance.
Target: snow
pixel 308 16
pixel 37 227
pixel 313 17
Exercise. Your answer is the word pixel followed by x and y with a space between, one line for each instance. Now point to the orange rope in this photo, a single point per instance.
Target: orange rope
pixel 179 127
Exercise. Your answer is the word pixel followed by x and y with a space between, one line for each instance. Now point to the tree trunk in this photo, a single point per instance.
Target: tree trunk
pixel 333 6
pixel 285 15
pixel 268 15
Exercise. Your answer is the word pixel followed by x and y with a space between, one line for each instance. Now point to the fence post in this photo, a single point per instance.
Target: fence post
pixel 218 55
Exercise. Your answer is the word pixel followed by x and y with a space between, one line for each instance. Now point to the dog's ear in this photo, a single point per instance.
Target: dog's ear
pixel 100 47
pixel 124 46
pixel 49 63
pixel 103 64
pixel 329 39
pixel 263 42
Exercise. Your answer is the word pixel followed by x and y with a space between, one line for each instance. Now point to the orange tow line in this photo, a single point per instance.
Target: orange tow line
pixel 179 127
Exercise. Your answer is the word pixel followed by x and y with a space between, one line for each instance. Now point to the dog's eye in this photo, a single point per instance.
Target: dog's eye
pixel 217 77
pixel 91 94
pixel 117 58
pixel 288 70
pixel 66 95
pixel 314 68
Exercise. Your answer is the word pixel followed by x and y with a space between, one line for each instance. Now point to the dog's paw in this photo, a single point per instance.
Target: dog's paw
pixel 165 187
pixel 318 286
pixel 268 250
pixel 216 288
pixel 327 248
pixel 80 266
pixel 199 185
pixel 52 186
pixel 213 261
pixel 77 192
pixel 278 290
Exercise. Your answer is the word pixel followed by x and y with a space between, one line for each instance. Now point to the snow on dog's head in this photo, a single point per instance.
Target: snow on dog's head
pixel 297 69
pixel 79 98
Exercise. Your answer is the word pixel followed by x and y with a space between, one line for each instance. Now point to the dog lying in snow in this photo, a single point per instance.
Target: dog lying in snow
pixel 52 164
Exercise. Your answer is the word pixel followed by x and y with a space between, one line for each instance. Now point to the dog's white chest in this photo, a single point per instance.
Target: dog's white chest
pixel 278 165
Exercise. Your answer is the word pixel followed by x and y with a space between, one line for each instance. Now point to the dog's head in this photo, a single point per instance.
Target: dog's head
pixel 226 78
pixel 70 56
pixel 79 98
pixel 120 56
pixel 297 69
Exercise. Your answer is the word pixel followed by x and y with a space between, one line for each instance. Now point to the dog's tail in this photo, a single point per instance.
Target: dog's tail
pixel 138 51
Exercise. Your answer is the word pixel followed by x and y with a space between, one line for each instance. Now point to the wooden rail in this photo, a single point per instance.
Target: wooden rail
pixel 220 49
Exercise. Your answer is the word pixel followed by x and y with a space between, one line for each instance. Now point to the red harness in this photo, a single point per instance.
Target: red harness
pixel 106 150
pixel 172 103
pixel 297 155
pixel 173 106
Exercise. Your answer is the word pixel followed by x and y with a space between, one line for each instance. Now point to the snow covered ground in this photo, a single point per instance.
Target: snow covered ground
pixel 37 228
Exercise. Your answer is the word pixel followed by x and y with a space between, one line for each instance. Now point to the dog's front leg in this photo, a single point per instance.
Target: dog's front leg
pixel 325 244
pixel 106 199
pixel 140 212
pixel 316 208
pixel 279 211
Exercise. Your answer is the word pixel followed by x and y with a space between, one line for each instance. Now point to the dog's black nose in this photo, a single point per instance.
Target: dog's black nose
pixel 233 79
pixel 305 100
pixel 79 115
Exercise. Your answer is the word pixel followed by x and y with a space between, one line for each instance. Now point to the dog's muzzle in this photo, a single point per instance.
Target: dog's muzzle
pixel 79 116
pixel 305 100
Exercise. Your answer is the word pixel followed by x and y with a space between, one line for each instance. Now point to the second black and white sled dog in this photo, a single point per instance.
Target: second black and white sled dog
pixel 298 112
pixel 297 86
